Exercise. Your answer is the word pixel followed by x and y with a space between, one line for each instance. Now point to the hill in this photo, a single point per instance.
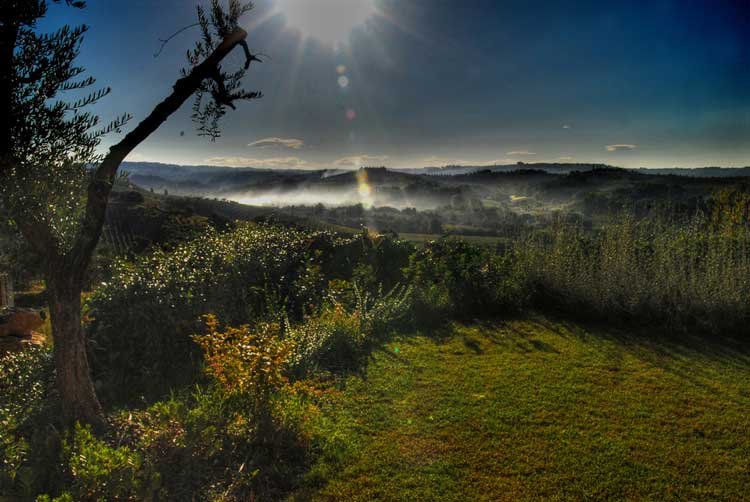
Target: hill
pixel 492 203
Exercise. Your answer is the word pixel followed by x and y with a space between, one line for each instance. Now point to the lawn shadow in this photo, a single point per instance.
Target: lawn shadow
pixel 522 340
pixel 668 350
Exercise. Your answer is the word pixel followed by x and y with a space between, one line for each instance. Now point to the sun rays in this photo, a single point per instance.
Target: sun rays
pixel 329 21
pixel 300 35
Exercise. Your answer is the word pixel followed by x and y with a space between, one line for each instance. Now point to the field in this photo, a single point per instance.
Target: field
pixel 533 409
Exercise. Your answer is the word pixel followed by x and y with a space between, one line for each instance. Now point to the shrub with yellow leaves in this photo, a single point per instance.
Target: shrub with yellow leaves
pixel 246 364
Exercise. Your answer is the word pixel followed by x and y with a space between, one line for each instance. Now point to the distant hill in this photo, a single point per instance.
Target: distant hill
pixel 556 168
pixel 564 168
pixel 699 172
pixel 549 184
pixel 175 172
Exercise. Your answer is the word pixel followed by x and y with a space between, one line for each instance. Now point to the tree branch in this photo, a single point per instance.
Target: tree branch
pixel 165 41
pixel 104 176
pixel 250 57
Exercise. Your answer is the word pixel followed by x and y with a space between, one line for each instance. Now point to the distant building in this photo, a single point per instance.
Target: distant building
pixel 6 292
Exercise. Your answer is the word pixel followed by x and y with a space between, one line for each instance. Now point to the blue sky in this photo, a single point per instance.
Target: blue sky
pixel 431 82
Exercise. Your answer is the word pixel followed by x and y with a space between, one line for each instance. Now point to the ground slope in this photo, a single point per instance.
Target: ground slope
pixel 538 409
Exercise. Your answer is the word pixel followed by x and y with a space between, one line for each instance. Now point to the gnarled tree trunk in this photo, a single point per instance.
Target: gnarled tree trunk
pixel 77 394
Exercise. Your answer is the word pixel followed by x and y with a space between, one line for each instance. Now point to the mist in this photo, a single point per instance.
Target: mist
pixel 309 196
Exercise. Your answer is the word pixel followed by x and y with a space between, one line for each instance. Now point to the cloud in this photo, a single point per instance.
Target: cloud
pixel 620 148
pixel 360 160
pixel 291 143
pixel 566 126
pixel 521 152
pixel 565 159
pixel 274 162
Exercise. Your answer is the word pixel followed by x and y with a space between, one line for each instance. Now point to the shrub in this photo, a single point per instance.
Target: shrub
pixel 25 405
pixel 347 329
pixel 453 278
pixel 98 471
pixel 682 273
pixel 247 365
pixel 143 316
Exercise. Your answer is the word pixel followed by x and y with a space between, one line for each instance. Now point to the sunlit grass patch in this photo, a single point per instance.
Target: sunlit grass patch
pixel 533 409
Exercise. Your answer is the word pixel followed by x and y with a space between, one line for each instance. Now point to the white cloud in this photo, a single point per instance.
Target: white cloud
pixel 274 162
pixel 360 160
pixel 620 148
pixel 521 152
pixel 566 126
pixel 291 143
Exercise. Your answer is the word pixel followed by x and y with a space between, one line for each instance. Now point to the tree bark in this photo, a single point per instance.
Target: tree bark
pixel 77 394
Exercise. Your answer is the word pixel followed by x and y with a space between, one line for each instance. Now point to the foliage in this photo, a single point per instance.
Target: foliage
pixel 246 364
pixel 16 255
pixel 99 471
pixel 143 316
pixel 25 380
pixel 312 307
pixel 224 88
pixel 456 279
pixel 680 273
pixel 340 338
pixel 51 138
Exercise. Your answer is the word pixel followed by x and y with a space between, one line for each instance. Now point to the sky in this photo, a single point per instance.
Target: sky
pixel 413 83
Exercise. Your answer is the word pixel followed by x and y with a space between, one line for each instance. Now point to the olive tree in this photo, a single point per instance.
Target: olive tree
pixel 53 182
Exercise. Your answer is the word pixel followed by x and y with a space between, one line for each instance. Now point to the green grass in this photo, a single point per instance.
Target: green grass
pixel 538 409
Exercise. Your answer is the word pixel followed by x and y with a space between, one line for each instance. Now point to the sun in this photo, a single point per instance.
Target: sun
pixel 329 21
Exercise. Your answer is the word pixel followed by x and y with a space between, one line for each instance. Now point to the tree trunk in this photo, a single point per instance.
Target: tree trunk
pixel 65 271
pixel 77 395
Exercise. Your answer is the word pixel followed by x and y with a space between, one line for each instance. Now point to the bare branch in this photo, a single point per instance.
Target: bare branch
pixel 250 57
pixel 165 41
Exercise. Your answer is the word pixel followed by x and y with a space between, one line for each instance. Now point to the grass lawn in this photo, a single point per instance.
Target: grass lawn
pixel 538 409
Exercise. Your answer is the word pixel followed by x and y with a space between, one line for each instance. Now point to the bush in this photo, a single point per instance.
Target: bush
pixel 347 329
pixel 688 273
pixel 453 278
pixel 99 471
pixel 25 417
pixel 143 316
pixel 247 365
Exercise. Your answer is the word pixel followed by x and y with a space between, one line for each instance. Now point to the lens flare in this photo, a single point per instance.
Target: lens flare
pixel 363 188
